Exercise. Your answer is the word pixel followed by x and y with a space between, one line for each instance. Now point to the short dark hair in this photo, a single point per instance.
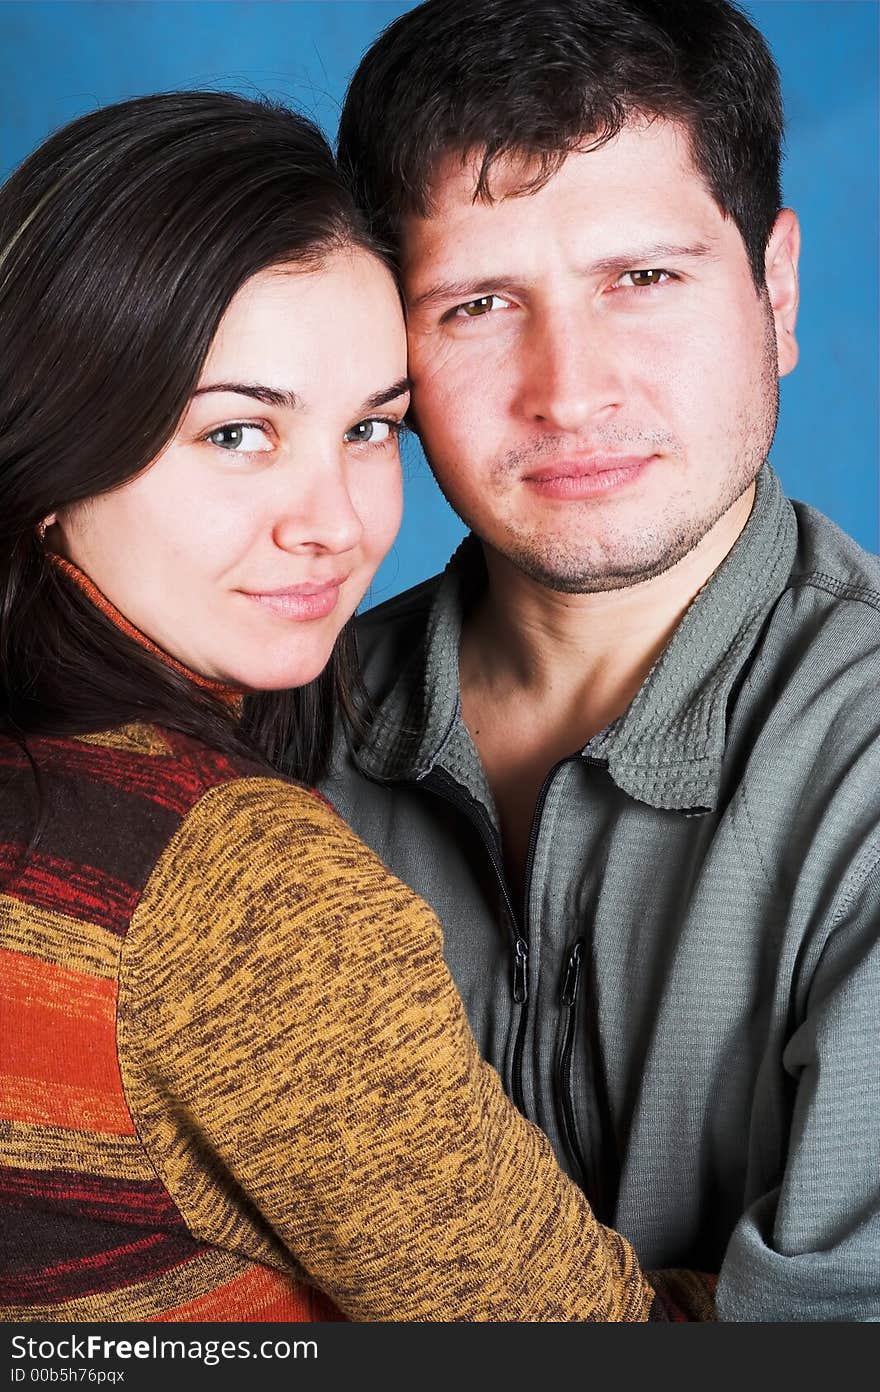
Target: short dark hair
pixel 123 239
pixel 541 78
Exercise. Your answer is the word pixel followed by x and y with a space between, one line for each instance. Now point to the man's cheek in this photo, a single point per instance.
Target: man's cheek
pixel 441 404
pixel 435 363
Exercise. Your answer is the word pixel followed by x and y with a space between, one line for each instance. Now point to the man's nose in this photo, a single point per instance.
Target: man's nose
pixel 315 511
pixel 570 373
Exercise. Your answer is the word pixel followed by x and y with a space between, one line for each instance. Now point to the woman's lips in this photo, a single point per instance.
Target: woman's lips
pixel 305 601
pixel 586 477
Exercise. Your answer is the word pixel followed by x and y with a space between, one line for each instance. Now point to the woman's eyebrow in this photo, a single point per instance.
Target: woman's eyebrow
pixel 274 396
pixel 381 398
pixel 270 396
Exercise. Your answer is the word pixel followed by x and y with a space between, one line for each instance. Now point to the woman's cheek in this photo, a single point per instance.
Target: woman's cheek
pixel 380 507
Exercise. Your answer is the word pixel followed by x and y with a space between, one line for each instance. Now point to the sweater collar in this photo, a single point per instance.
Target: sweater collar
pixel 667 748
pixel 229 695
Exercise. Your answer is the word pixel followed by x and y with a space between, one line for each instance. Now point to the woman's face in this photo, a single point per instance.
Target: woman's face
pixel 250 540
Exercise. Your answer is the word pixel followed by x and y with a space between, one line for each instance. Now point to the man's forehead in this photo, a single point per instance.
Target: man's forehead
pixel 647 164
pixel 466 177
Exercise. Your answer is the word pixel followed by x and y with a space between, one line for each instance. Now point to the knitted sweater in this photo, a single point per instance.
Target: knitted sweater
pixel 236 1073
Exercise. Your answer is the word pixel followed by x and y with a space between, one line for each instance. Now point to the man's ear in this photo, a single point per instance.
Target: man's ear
pixel 781 276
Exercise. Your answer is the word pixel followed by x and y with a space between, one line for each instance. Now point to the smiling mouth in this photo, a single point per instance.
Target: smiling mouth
pixel 310 600
pixel 586 476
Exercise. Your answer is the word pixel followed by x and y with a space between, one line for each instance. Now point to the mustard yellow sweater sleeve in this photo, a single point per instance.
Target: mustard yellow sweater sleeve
pixel 300 1068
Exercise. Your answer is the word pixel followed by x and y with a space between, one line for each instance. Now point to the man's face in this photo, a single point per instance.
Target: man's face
pixel 595 374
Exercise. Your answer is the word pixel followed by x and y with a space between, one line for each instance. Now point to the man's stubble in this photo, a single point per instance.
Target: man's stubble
pixel 623 557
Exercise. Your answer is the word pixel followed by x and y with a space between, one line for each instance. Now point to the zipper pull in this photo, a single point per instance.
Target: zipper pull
pixel 520 970
pixel 572 979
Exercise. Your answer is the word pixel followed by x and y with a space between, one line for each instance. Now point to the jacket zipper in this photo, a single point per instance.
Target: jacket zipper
pixel 442 783
pixel 521 945
pixel 571 982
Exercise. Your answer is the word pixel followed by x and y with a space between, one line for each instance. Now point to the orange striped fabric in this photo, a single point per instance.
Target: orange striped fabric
pixel 90 1232
pixel 258 1296
pixel 59 1064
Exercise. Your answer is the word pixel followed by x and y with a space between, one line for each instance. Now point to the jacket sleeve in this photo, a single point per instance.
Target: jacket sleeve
pixel 813 1241
pixel 302 1073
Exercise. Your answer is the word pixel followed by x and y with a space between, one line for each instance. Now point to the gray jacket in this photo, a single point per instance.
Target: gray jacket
pixel 687 1000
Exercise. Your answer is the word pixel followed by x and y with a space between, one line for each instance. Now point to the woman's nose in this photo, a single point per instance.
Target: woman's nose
pixel 317 512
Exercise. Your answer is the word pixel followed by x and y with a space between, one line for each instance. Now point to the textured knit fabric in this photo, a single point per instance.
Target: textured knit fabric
pixel 686 1000
pixel 235 1067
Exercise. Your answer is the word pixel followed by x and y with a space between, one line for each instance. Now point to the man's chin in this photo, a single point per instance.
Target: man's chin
pixel 620 557
pixel 566 571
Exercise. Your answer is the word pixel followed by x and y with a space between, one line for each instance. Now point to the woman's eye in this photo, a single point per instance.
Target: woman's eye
pixel 245 439
pixel 484 304
pixel 371 432
pixel 640 280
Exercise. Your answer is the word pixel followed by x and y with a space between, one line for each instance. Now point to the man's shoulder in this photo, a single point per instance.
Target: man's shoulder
pixel 412 605
pixel 390 632
pixel 817 661
pixel 830 561
pixel 833 593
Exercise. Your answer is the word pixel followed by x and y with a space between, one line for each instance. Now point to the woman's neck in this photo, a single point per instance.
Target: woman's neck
pixel 230 695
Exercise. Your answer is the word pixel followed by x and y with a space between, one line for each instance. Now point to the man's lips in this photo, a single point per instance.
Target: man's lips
pixel 311 599
pixel 585 476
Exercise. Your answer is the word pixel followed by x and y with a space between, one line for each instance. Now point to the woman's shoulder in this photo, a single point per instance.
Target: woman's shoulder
pixel 234 823
pixel 262 829
pixel 260 858
pixel 152 764
pixel 158 816
pixel 126 801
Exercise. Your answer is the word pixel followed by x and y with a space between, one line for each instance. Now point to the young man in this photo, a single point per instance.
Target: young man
pixel 627 745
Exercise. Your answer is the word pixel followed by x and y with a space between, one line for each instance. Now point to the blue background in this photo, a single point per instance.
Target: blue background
pixel 61 59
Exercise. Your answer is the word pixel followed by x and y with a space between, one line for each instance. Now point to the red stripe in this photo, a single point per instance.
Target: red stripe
pixel 97 1196
pixel 153 1255
pixel 175 782
pixel 100 1259
pixel 80 891
pixel 166 781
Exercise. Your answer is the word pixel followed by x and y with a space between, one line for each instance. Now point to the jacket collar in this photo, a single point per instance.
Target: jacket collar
pixel 668 746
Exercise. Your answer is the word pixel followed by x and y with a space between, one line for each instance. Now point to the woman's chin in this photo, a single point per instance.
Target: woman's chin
pixel 279 675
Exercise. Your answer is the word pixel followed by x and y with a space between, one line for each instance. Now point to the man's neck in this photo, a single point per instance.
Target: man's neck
pixel 594 649
pixel 542 671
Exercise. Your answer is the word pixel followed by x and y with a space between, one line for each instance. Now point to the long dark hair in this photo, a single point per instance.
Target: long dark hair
pixel 123 239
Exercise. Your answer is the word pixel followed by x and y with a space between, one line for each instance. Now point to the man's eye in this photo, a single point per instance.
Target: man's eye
pixel 484 304
pixel 640 280
pixel 372 432
pixel 239 437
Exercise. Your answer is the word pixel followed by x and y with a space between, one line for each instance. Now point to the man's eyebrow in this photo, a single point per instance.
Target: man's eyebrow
pixel 270 396
pixel 381 398
pixel 446 291
pixel 642 258
pixel 650 257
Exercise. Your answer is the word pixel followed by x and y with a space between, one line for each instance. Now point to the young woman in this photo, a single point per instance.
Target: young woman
pixel 238 1083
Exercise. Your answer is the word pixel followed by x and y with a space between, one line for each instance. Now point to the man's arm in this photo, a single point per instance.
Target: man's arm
pixel 810 1248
